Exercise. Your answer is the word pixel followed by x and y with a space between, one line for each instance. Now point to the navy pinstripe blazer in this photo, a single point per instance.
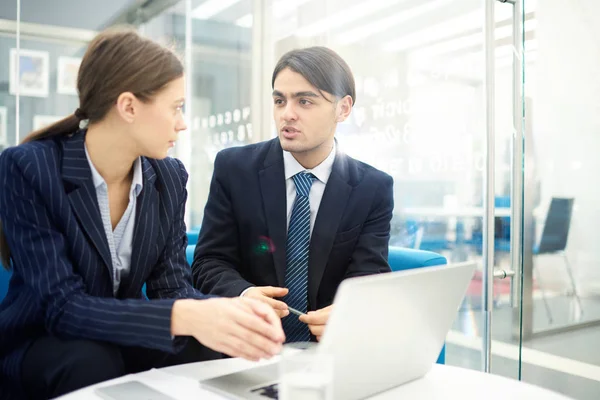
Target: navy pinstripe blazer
pixel 61 283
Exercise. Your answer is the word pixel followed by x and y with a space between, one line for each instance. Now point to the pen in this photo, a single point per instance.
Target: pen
pixel 294 311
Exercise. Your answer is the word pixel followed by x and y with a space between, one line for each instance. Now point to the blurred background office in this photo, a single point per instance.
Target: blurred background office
pixel 420 116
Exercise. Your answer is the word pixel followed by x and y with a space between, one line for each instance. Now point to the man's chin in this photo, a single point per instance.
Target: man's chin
pixel 291 145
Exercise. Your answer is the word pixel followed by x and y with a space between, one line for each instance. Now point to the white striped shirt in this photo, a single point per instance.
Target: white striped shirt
pixel 120 240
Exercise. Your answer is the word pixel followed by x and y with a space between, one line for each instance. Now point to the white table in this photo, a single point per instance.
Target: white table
pixel 442 382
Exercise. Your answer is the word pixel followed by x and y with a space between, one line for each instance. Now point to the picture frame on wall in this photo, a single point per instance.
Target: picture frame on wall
pixel 66 79
pixel 33 75
pixel 42 121
pixel 3 127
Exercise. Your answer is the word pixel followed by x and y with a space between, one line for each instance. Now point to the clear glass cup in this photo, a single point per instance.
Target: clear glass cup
pixel 305 373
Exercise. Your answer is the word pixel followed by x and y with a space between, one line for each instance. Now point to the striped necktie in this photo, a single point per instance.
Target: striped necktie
pixel 296 273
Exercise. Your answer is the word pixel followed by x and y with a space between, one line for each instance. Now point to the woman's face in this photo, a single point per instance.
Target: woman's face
pixel 160 120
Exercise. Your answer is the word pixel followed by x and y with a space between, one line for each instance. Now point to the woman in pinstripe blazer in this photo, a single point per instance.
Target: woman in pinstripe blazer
pixel 89 214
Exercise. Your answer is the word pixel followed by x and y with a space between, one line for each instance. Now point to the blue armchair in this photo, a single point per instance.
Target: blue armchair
pixel 4 279
pixel 402 258
pixel 193 236
pixel 189 253
pixel 399 259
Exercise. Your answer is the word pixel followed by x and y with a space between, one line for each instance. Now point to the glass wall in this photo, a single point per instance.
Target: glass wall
pixel 217 53
pixel 8 30
pixel 562 93
pixel 51 44
pixel 216 48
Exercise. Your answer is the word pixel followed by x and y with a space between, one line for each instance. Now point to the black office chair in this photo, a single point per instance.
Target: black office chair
pixel 554 240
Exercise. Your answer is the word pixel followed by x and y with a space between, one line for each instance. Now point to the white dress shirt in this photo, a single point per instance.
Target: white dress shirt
pixel 321 172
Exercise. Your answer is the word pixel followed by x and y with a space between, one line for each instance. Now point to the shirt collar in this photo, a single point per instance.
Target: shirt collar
pixel 321 171
pixel 137 183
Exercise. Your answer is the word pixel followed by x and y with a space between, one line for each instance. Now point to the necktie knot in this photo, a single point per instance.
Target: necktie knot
pixel 303 182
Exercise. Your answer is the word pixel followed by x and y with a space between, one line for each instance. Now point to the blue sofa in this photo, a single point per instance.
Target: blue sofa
pixel 399 258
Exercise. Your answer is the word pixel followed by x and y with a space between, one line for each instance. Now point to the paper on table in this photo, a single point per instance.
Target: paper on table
pixel 175 386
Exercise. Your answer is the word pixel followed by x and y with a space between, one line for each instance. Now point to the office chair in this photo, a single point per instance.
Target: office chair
pixel 411 236
pixel 554 241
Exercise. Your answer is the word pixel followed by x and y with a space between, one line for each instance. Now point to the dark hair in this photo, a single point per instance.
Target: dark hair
pixel 117 60
pixel 322 67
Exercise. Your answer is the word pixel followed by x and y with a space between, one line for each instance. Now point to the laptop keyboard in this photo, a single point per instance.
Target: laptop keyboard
pixel 270 391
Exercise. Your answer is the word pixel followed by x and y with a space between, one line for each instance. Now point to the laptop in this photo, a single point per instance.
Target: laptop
pixel 384 330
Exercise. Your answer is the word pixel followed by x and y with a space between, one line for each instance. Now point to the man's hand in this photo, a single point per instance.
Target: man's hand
pixel 317 320
pixel 267 294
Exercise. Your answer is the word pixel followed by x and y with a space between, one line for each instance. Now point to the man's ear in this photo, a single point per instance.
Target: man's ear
pixel 343 108
pixel 127 106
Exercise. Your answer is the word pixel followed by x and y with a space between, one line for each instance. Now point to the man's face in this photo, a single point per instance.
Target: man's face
pixel 305 119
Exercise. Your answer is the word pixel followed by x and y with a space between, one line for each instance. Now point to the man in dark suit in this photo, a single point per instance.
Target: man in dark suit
pixel 292 217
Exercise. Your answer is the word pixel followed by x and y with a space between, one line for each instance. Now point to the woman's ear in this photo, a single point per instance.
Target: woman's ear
pixel 126 106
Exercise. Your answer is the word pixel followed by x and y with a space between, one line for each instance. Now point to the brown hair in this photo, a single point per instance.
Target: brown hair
pixel 321 67
pixel 117 60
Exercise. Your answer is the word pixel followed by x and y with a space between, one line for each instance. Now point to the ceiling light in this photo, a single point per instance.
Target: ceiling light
pixel 343 17
pixel 212 7
pixel 361 32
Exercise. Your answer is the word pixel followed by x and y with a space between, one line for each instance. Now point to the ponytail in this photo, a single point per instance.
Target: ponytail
pixel 65 126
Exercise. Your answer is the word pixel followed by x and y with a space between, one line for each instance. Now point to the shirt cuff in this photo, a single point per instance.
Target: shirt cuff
pixel 245 290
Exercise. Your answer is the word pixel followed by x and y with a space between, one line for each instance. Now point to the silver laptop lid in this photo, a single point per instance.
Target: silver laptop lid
pixel 388 329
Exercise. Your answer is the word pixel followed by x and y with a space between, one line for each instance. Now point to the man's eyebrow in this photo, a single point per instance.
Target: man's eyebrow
pixel 277 93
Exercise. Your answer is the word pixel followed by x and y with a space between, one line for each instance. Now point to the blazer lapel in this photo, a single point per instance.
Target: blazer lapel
pixel 331 209
pixel 81 192
pixel 272 185
pixel 146 227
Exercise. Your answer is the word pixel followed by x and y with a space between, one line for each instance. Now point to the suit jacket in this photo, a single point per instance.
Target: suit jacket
pixel 242 241
pixel 62 283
